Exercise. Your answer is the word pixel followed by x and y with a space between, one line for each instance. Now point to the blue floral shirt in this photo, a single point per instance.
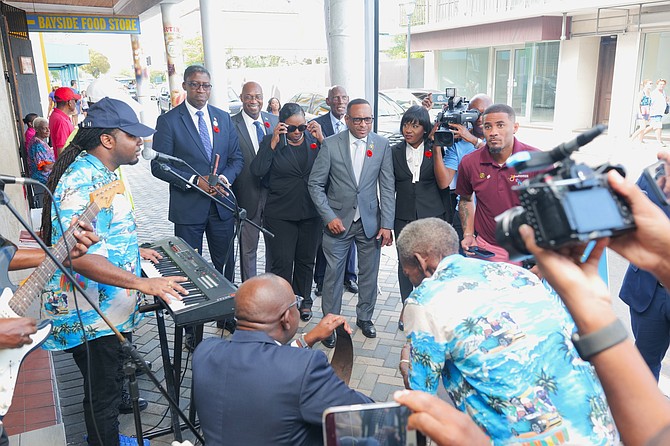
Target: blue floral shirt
pixel 500 340
pixel 118 243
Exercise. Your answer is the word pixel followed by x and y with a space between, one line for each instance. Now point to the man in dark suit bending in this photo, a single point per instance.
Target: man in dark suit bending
pixel 252 124
pixel 253 389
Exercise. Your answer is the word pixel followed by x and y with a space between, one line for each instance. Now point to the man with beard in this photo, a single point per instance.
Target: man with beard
pixel 485 174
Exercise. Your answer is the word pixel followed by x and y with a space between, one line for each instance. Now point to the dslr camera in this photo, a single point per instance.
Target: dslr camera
pixel 455 112
pixel 565 204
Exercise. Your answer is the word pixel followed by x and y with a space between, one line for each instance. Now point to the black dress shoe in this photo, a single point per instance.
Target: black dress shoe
pixel 330 341
pixel 305 314
pixel 367 327
pixel 401 326
pixel 319 289
pixel 351 286
pixel 126 404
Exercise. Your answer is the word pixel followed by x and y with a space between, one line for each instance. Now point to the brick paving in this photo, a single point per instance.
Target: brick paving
pixel 375 371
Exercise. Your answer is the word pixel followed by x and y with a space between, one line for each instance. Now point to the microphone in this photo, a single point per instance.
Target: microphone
pixel 8 179
pixel 150 154
pixel 532 161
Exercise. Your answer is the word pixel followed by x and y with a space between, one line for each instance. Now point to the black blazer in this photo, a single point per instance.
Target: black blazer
pixel 326 125
pixel 247 187
pixel 416 200
pixel 288 198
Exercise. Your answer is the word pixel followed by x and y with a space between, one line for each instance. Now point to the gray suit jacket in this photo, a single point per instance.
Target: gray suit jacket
pixel 333 168
pixel 247 187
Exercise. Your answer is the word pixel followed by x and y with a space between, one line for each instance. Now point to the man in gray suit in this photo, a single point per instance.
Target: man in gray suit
pixel 352 164
pixel 252 124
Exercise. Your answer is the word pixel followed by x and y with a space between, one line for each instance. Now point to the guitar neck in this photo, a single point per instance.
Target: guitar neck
pixel 34 285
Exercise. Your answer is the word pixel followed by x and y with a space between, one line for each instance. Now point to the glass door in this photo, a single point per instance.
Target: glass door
pixel 512 71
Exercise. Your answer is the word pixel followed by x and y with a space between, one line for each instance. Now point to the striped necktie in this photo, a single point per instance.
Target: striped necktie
pixel 204 134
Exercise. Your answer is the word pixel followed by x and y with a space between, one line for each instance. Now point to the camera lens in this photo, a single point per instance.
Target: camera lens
pixel 507 233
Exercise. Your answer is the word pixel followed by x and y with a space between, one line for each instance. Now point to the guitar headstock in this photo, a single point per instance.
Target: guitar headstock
pixel 104 196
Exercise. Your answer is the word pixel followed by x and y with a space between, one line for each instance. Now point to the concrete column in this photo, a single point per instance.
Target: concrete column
pixel 345 27
pixel 212 24
pixel 627 63
pixel 576 84
pixel 174 49
pixel 429 70
pixel 141 75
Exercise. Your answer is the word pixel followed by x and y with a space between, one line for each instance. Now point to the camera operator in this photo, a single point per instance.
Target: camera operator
pixel 641 411
pixel 485 174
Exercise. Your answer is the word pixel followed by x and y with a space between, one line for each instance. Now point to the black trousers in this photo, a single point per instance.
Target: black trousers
pixel 106 379
pixel 293 252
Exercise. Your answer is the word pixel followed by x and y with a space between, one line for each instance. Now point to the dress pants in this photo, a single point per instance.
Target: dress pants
pixel 335 249
pixel 320 268
pixel 293 250
pixel 219 236
pixel 106 379
pixel 651 329
pixel 406 286
pixel 249 242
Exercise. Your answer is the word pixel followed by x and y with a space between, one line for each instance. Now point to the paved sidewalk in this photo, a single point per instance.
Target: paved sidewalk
pixel 375 370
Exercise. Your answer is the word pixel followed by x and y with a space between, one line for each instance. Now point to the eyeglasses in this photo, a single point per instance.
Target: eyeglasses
pixel 293 128
pixel 251 97
pixel 297 303
pixel 358 121
pixel 198 85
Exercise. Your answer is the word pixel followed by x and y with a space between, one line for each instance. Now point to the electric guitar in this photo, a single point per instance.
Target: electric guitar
pixel 15 302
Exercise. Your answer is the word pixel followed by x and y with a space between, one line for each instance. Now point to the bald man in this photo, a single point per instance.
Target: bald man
pixel 286 388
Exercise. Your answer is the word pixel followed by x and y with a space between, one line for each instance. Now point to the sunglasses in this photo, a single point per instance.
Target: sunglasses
pixel 293 128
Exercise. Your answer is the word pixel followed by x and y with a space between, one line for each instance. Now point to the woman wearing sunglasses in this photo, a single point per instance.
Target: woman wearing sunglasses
pixel 421 182
pixel 284 162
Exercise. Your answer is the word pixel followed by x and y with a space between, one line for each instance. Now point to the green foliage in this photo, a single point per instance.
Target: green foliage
pixel 99 64
pixel 194 52
pixel 399 49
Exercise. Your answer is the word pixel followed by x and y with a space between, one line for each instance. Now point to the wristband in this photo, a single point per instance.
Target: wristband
pixel 593 343
pixel 406 361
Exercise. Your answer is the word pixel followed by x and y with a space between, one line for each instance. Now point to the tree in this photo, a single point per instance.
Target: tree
pixel 99 64
pixel 399 50
pixel 194 52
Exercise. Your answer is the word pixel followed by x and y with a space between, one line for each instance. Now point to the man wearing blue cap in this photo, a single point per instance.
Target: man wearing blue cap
pixel 109 137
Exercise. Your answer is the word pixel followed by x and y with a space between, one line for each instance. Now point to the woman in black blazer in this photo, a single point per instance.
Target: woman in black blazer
pixel 421 182
pixel 284 162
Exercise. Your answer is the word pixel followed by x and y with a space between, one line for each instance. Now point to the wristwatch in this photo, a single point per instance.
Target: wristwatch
pixel 593 343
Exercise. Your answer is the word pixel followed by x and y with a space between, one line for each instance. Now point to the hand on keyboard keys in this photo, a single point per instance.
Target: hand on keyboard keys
pixel 167 288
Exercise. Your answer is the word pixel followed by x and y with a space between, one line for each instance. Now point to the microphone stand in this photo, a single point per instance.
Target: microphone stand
pixel 239 213
pixel 126 346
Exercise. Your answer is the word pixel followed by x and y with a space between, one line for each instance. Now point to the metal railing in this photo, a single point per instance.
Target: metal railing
pixel 436 11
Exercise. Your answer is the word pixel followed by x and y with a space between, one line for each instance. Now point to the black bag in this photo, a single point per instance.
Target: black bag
pixel 667 109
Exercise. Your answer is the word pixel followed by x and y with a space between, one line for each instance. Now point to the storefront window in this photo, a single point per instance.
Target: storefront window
pixel 655 61
pixel 465 69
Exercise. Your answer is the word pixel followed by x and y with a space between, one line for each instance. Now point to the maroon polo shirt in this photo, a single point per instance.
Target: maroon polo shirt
pixel 492 185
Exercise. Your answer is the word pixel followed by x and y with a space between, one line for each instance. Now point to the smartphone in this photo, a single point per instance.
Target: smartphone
pixel 481 252
pixel 656 176
pixel 379 424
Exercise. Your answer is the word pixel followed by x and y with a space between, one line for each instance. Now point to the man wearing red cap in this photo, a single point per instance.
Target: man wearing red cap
pixel 60 122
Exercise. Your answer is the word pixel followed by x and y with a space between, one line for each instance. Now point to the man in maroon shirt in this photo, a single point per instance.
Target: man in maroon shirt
pixel 60 122
pixel 485 174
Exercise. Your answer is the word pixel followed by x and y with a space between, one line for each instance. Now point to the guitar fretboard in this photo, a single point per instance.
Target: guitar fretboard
pixel 34 285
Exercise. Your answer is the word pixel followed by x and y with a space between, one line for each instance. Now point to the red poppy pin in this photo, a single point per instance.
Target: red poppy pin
pixel 369 153
pixel 313 146
pixel 428 153
pixel 371 146
pixel 267 124
pixel 215 126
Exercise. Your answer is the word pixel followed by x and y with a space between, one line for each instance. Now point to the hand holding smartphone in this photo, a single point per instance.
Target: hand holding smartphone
pixel 369 424
pixel 659 182
pixel 481 252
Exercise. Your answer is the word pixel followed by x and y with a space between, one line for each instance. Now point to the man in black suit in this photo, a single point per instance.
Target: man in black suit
pixel 252 124
pixel 331 124
pixel 196 132
pixel 284 388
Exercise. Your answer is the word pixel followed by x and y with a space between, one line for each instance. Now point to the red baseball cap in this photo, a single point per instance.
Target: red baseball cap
pixel 64 94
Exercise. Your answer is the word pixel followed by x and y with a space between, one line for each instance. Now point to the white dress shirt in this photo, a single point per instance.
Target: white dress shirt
pixel 251 128
pixel 414 159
